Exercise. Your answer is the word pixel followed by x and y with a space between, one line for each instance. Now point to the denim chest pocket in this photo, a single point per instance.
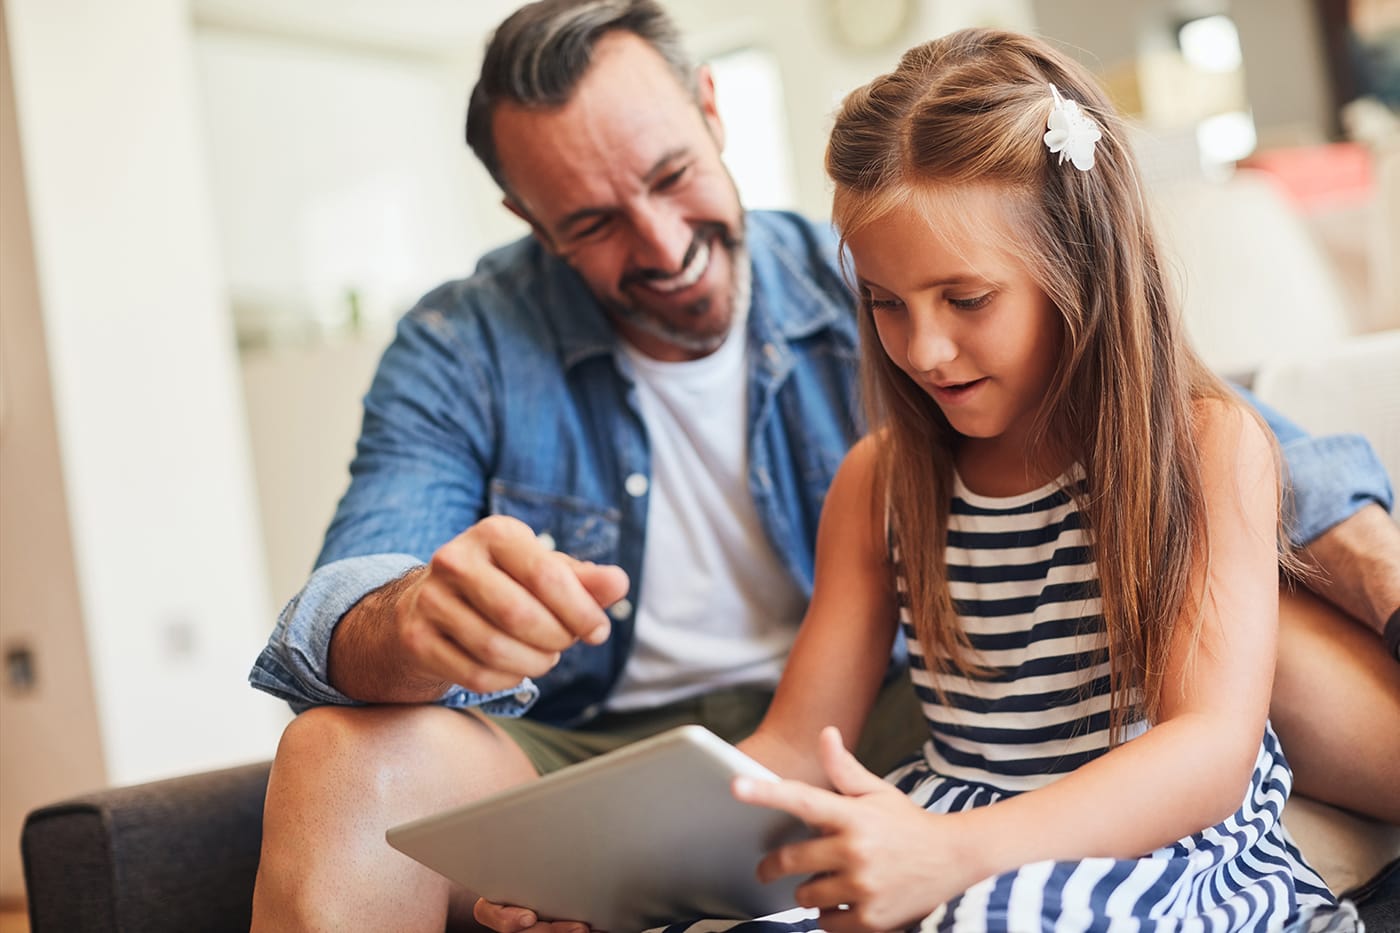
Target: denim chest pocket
pixel 582 529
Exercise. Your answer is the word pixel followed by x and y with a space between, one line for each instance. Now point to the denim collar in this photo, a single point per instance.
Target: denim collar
pixel 787 303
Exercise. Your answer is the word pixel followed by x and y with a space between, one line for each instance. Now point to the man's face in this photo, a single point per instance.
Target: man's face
pixel 625 184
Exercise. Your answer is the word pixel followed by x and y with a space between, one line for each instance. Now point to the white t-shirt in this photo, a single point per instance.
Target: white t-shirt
pixel 717 607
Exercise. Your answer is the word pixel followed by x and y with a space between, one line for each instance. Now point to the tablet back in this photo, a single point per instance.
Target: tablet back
pixel 639 837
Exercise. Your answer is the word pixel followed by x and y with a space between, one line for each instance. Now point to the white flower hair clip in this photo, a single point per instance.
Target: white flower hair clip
pixel 1071 133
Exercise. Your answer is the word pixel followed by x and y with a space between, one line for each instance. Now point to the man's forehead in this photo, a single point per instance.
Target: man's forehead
pixel 628 117
pixel 580 160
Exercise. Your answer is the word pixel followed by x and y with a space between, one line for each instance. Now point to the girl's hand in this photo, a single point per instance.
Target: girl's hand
pixel 879 863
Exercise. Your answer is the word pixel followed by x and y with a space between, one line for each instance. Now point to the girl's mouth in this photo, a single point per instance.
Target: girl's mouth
pixel 955 393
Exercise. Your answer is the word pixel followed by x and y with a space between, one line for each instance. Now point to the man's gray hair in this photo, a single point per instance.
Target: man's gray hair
pixel 537 56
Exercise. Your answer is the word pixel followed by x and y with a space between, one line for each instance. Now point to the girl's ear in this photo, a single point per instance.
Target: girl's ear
pixel 705 93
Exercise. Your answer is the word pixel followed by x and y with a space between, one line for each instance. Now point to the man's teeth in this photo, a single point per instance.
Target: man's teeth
pixel 688 276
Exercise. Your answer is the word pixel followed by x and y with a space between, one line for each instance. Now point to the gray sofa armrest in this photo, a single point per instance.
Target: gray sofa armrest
pixel 173 855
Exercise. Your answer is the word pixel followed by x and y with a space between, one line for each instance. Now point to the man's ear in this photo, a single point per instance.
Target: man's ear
pixel 705 96
pixel 538 231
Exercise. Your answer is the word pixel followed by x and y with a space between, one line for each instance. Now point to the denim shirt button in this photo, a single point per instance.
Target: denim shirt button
pixel 636 485
pixel 620 609
pixel 523 696
pixel 546 540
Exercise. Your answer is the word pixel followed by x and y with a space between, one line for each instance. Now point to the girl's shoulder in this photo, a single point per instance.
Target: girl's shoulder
pixel 857 492
pixel 861 466
pixel 1228 419
pixel 865 452
pixel 1230 437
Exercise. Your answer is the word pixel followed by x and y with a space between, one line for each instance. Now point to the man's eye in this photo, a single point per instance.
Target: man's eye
pixel 584 232
pixel 671 180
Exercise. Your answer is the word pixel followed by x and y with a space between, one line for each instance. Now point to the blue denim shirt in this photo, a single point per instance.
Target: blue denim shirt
pixel 501 394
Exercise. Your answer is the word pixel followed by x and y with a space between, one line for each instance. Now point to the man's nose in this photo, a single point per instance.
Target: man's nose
pixel 663 240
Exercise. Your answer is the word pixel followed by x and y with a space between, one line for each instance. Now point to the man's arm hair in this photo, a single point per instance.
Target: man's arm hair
pixel 1358 564
pixel 366 661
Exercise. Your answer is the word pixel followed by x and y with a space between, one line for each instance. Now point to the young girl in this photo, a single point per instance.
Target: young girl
pixel 1073 521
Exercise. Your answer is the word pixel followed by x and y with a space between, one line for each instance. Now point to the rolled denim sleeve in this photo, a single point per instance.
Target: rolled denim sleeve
pixel 294 665
pixel 1329 477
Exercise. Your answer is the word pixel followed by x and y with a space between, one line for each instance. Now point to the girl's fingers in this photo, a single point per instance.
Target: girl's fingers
pixel 847 774
pixel 819 809
pixel 818 856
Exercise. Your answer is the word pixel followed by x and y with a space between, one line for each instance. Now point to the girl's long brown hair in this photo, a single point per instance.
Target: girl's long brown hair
pixel 971 109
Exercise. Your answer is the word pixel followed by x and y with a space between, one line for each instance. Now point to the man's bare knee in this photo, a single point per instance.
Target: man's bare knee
pixel 342 776
pixel 397 752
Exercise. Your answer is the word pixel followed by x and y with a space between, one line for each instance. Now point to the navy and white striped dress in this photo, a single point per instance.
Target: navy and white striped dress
pixel 1025 586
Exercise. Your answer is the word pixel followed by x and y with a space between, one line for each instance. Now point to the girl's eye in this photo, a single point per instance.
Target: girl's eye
pixel 883 304
pixel 970 304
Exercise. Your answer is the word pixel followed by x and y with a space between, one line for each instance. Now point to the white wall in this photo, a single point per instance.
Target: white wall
pixel 331 169
pixel 39 606
pixel 303 418
pixel 149 415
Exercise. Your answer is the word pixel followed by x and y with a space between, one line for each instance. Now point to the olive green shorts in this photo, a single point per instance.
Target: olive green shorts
pixel 894 730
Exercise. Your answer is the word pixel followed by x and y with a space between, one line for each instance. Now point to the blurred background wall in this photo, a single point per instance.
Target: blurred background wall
pixel 214 210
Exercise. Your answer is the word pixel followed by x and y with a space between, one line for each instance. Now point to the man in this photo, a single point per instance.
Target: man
pixel 588 481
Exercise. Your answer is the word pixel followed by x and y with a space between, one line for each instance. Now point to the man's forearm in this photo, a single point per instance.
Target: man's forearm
pixel 366 661
pixel 1358 564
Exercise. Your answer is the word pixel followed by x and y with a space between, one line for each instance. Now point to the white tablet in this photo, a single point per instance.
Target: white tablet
pixel 642 836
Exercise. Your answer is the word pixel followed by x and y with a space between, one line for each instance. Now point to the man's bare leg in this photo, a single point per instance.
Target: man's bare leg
pixel 1336 707
pixel 342 776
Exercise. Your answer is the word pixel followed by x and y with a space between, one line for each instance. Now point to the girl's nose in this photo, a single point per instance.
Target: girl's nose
pixel 930 346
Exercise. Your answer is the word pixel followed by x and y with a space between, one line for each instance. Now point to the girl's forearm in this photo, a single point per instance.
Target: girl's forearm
pixel 1178 778
pixel 782 757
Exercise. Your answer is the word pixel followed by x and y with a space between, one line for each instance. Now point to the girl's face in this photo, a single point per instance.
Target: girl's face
pixel 962 317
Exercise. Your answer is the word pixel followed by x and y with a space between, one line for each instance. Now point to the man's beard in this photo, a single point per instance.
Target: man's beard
pixel 717 236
